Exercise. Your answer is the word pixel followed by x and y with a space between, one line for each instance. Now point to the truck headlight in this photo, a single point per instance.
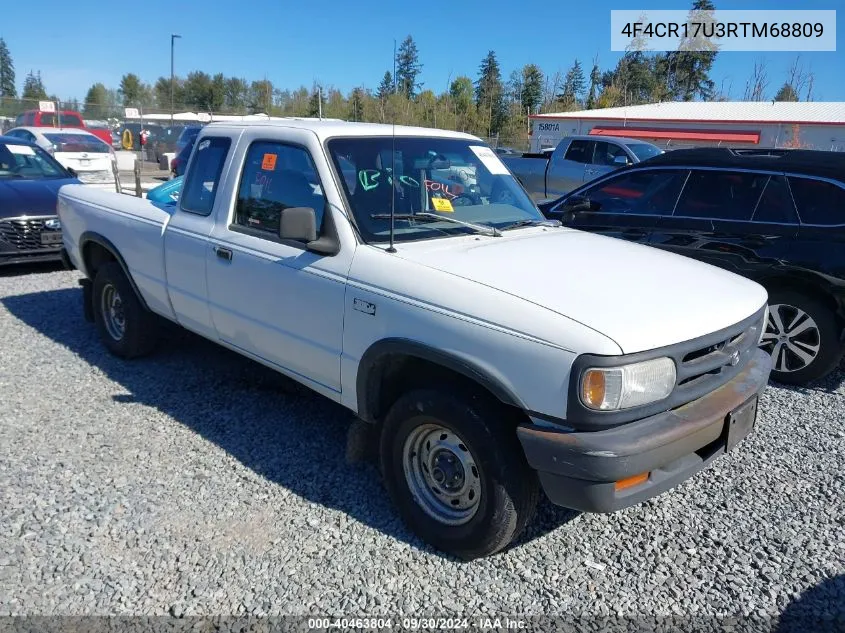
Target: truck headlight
pixel 626 386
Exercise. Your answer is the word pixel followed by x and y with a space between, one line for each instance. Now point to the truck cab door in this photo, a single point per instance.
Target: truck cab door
pixel 271 298
pixel 566 168
pixel 604 160
pixel 186 236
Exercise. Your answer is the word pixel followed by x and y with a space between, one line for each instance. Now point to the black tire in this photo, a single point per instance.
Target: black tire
pixel 509 489
pixel 140 329
pixel 787 368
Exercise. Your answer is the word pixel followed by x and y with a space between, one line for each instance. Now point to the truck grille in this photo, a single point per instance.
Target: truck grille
pixel 714 362
pixel 25 233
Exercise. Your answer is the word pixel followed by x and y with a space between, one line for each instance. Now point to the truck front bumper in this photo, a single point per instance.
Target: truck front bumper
pixel 604 471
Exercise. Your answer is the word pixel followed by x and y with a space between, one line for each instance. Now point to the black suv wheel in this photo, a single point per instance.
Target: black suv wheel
pixel 802 337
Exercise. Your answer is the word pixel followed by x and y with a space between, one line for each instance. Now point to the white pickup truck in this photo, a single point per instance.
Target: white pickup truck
pixel 379 267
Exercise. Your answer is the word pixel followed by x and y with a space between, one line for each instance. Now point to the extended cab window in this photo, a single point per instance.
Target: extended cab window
pixel 277 177
pixel 818 202
pixel 203 177
pixel 579 151
pixel 642 192
pixel 721 195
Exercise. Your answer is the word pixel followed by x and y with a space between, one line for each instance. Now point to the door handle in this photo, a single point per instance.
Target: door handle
pixel 223 253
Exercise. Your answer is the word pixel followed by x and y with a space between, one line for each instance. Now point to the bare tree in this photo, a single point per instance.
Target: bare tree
pixel 755 87
pixel 553 83
pixel 799 77
pixel 810 83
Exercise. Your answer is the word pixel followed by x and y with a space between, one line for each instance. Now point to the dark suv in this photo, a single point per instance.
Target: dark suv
pixel 775 216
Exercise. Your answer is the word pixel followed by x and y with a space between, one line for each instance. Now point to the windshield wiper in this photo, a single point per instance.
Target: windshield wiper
pixel 481 228
pixel 516 225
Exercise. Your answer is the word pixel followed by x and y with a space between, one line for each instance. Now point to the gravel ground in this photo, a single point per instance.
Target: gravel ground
pixel 195 482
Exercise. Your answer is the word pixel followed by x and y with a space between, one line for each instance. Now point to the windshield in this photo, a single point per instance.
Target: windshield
pixel 644 151
pixel 459 178
pixel 77 143
pixel 28 162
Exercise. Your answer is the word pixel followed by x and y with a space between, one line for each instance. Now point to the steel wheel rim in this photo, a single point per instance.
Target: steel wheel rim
pixel 441 474
pixel 792 338
pixel 111 307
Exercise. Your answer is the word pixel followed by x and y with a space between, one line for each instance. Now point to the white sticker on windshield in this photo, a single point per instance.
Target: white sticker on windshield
pixel 23 150
pixel 488 157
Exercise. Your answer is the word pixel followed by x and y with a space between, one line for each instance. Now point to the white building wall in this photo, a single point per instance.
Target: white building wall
pixel 549 132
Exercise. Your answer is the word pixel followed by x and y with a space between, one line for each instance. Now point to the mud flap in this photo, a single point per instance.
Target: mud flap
pixel 87 299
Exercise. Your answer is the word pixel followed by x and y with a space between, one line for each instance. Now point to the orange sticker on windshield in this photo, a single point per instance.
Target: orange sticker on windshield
pixel 269 162
pixel 442 204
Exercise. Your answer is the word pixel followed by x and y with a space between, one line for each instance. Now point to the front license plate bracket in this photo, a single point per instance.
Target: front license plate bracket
pixel 740 422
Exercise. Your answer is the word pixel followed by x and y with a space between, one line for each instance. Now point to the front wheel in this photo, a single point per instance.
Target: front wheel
pixel 456 471
pixel 801 336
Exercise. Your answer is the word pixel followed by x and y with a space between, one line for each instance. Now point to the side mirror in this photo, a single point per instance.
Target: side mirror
pixel 621 160
pixel 299 224
pixel 576 204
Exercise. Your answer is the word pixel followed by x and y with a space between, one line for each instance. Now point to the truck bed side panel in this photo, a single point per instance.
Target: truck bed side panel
pixel 531 172
pixel 135 228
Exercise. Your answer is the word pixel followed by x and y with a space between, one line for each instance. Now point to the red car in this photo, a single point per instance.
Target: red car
pixel 63 118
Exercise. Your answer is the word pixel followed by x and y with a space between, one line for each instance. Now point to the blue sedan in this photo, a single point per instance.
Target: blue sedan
pixel 30 179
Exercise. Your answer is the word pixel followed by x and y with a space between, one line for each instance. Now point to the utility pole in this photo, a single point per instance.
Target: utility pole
pixel 394 65
pixel 173 37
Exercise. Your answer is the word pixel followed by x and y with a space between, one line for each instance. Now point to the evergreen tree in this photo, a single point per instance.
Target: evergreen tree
pixel 317 104
pixel 532 87
pixel 7 72
pixel 786 93
pixel 595 82
pixel 489 96
pixel 408 68
pixel 33 87
pixel 96 102
pixel 217 93
pixel 131 89
pixel 573 85
pixel 385 87
pixel 686 72
pixel 356 104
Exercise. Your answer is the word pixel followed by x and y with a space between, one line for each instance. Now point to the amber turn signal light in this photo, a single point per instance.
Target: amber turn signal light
pixel 630 482
pixel 593 388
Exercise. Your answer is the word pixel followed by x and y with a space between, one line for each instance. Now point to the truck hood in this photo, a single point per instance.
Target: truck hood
pixel 639 296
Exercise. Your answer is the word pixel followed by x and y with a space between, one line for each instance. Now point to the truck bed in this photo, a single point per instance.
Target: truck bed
pixel 134 226
pixel 530 170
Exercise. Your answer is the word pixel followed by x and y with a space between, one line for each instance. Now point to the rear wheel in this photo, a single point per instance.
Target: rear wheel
pixel 454 468
pixel 126 328
pixel 801 336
